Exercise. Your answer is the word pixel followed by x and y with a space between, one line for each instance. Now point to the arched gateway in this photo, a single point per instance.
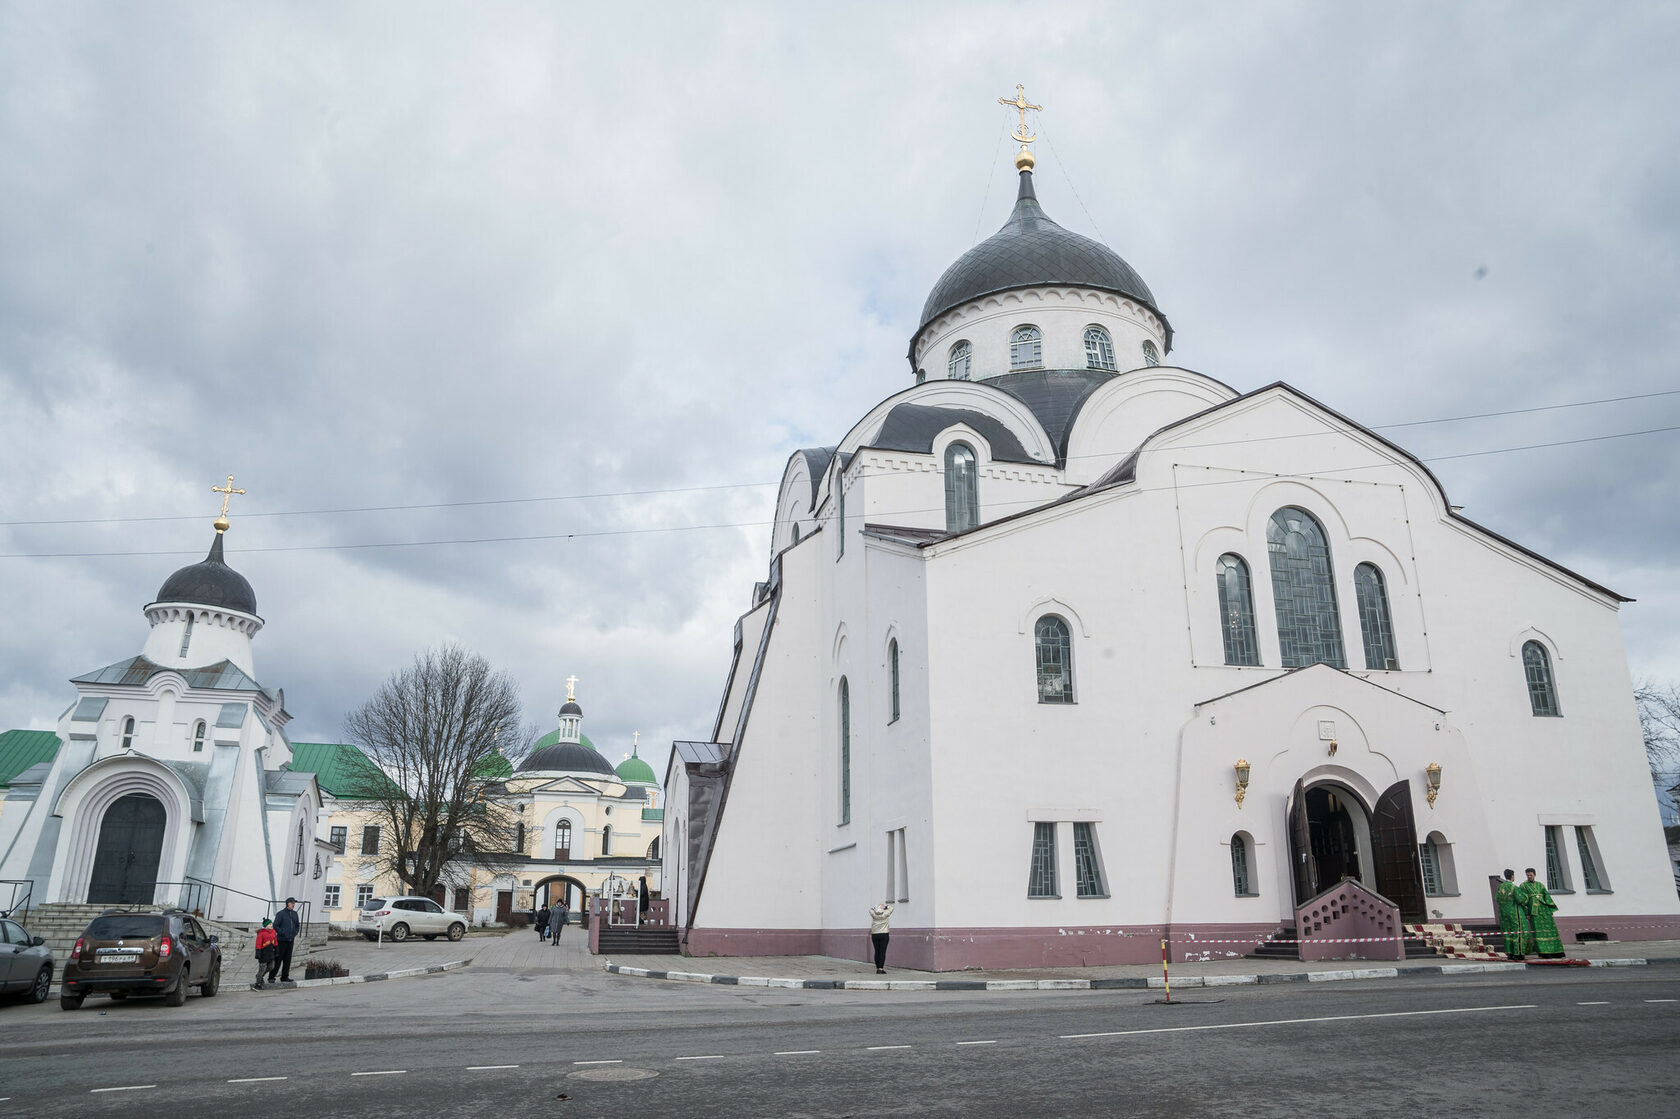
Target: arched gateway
pixel 125 862
pixel 1334 835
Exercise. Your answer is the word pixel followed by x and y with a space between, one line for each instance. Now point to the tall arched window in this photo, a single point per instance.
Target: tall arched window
pixel 1304 590
pixel 198 737
pixel 840 511
pixel 1099 349
pixel 563 839
pixel 1371 593
pixel 1054 645
pixel 1242 880
pixel 128 732
pixel 960 364
pixel 606 839
pixel 1542 690
pixel 1151 356
pixel 845 751
pixel 892 676
pixel 1236 611
pixel 186 636
pixel 519 837
pixel 1026 348
pixel 795 533
pixel 653 849
pixel 962 489
pixel 297 863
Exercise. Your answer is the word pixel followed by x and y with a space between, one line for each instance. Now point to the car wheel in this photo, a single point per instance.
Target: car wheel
pixel 399 932
pixel 457 931
pixel 70 1002
pixel 42 987
pixel 178 996
pixel 212 984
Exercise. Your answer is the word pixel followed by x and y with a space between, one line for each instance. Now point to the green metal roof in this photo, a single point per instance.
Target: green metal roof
pixel 495 768
pixel 340 769
pixel 653 814
pixel 20 749
pixel 635 769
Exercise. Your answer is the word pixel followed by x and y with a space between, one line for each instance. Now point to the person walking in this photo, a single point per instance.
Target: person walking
pixel 287 925
pixel 879 931
pixel 643 900
pixel 540 919
pixel 557 919
pixel 1519 942
pixel 265 950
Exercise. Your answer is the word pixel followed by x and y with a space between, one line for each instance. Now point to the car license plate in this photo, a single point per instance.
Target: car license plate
pixel 126 958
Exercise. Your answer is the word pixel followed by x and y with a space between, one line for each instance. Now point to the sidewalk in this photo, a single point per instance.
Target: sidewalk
pixel 369 961
pixel 828 973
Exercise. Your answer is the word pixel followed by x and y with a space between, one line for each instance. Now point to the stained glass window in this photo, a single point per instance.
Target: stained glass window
pixel 962 489
pixel 961 362
pixel 1087 867
pixel 1537 667
pixel 1041 882
pixel 1371 593
pixel 1026 349
pixel 1055 660
pixel 1099 349
pixel 1236 611
pixel 1304 590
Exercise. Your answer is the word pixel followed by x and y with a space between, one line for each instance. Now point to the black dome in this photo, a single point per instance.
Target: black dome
pixel 571 708
pixel 1029 251
pixel 210 583
pixel 566 757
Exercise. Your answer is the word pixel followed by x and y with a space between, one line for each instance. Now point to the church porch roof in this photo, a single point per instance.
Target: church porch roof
pixel 22 749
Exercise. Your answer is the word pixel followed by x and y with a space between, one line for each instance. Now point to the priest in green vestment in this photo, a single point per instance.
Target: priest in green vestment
pixel 1536 904
pixel 1519 942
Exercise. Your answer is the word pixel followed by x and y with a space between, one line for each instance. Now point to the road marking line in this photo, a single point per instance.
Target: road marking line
pixel 886 1047
pixel 1592 1004
pixel 382 1072
pixel 124 1088
pixel 1662 1000
pixel 482 1068
pixel 797 1052
pixel 615 1061
pixel 1297 1021
pixel 976 1043
pixel 708 1057
pixel 255 1079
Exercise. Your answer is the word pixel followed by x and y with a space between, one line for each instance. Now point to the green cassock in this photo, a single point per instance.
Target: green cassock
pixel 1536 904
pixel 1518 940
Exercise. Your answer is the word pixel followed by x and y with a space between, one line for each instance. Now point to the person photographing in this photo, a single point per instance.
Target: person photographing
pixel 880 929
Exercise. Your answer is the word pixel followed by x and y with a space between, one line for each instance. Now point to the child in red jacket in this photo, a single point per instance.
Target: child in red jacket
pixel 268 942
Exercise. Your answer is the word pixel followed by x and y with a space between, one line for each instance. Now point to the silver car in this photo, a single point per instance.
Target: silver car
pixel 400 918
pixel 26 963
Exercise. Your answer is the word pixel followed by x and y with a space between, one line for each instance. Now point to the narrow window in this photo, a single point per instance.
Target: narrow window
pixel 198 737
pixel 840 511
pixel 1431 863
pixel 898 867
pixel 1054 647
pixel 1151 356
pixel 1241 879
pixel 519 837
pixel 1026 349
pixel 1041 882
pixel 1537 667
pixel 796 533
pixel 1086 863
pixel 297 863
pixel 892 676
pixel 653 849
pixel 563 839
pixel 962 489
pixel 1371 594
pixel 128 733
pixel 961 363
pixel 186 636
pixel 606 839
pixel 1236 611
pixel 845 751
pixel 1099 349
pixel 921 375
pixel 330 899
pixel 1557 873
pixel 1304 589
pixel 370 839
pixel 1590 875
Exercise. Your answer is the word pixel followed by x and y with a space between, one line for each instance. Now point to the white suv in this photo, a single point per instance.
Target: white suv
pixel 400 918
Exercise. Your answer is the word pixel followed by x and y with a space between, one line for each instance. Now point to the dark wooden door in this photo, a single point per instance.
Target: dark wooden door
pixel 1300 846
pixel 504 906
pixel 125 861
pixel 1395 857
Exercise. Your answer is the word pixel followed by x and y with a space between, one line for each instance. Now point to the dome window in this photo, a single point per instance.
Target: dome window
pixel 1151 356
pixel 1026 349
pixel 1099 349
pixel 960 367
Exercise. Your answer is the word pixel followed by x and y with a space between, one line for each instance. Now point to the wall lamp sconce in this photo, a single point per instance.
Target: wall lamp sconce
pixel 1433 772
pixel 1242 780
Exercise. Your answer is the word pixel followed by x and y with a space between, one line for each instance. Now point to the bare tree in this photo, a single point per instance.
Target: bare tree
pixel 432 732
pixel 1659 718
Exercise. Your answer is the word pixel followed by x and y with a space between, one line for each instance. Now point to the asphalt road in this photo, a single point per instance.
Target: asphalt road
pixel 1589 1043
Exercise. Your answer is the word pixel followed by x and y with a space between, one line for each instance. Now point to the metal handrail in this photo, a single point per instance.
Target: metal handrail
pixel 203 895
pixel 28 894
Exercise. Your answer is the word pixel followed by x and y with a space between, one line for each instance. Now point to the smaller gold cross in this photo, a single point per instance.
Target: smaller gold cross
pixel 1021 105
pixel 571 687
pixel 227 492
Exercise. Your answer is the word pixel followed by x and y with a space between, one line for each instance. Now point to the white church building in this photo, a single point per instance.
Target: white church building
pixel 1064 650
pixel 168 784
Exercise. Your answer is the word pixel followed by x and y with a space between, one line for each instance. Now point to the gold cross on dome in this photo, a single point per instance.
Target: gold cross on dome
pixel 227 493
pixel 1021 105
pixel 571 687
pixel 635 741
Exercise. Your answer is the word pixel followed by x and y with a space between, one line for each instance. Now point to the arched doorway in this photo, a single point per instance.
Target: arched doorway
pixel 125 861
pixel 1333 835
pixel 547 891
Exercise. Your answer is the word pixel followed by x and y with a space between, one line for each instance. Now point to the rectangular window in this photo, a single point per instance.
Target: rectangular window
pixel 1431 869
pixel 1591 874
pixel 1086 862
pixel 330 900
pixel 1557 870
pixel 339 838
pixel 364 894
pixel 370 839
pixel 463 898
pixel 898 867
pixel 1041 882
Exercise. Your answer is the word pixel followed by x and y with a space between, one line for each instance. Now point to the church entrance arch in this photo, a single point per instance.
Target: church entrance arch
pixel 548 890
pixel 125 860
pixel 1334 835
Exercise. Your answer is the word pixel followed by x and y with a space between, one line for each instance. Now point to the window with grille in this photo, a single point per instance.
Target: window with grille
pixel 1026 349
pixel 1537 668
pixel 338 837
pixel 563 839
pixel 1304 590
pixel 845 751
pixel 1099 349
pixel 364 894
pixel 1054 647
pixel 960 365
pixel 330 899
pixel 370 839
pixel 892 677
pixel 1041 880
pixel 1087 864
pixel 1591 875
pixel 1557 872
pixel 1431 868
pixel 1241 879
pixel 1371 594
pixel 962 488
pixel 1151 356
pixel 1236 611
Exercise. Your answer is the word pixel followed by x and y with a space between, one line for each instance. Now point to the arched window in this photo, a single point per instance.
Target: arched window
pixel 796 532
pixel 892 676
pixel 962 489
pixel 606 839
pixel 1236 611
pixel 840 511
pixel 186 636
pixel 128 733
pixel 1542 690
pixel 1372 596
pixel 1242 879
pixel 653 848
pixel 960 365
pixel 921 375
pixel 1054 647
pixel 1026 348
pixel 1304 590
pixel 519 837
pixel 198 737
pixel 563 839
pixel 1151 356
pixel 1099 349
pixel 297 863
pixel 845 751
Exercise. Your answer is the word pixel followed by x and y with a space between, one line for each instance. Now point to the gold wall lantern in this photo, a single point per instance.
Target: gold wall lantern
pixel 1242 780
pixel 1433 772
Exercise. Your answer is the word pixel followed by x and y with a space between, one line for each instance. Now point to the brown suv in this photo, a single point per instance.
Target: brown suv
pixel 126 951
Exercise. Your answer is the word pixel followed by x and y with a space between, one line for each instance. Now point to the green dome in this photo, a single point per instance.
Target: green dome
pixel 635 769
pixel 494 768
pixel 553 737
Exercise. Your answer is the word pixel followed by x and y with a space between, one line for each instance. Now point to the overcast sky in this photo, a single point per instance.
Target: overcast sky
pixel 401 255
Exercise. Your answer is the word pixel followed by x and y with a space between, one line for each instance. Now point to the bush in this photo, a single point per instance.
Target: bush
pixel 324 969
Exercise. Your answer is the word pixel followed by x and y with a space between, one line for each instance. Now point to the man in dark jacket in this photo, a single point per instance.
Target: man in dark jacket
pixel 286 927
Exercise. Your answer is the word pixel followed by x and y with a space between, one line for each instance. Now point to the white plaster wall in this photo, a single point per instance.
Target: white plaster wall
pixel 217 635
pixel 1060 313
pixel 1119 415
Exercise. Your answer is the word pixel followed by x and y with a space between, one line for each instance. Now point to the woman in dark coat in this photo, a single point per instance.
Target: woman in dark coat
pixel 540 919
pixel 642 897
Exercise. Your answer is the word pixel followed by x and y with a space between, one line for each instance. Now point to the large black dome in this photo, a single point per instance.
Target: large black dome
pixel 566 757
pixel 1030 251
pixel 210 583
